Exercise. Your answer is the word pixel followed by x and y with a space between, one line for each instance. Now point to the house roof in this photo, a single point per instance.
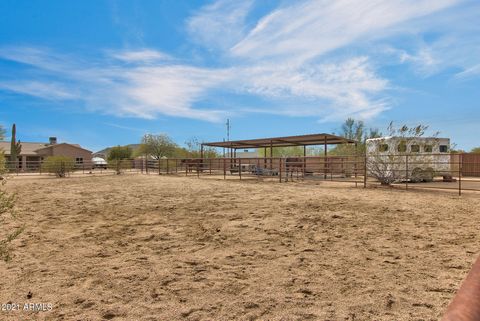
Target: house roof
pixel 62 144
pixel 302 140
pixel 28 149
pixel 31 149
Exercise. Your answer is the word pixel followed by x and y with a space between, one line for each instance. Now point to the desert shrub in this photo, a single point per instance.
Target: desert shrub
pixel 61 166
pixel 3 168
pixel 389 168
pixel 7 202
pixel 120 152
pixel 119 165
pixel 119 158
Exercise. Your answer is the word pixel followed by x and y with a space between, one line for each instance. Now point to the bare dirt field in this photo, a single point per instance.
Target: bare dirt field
pixel 138 247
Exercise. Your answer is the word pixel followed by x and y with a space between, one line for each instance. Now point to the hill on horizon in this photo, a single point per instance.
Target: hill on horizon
pixel 105 151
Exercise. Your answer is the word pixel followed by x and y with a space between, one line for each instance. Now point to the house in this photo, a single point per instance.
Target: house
pixel 33 153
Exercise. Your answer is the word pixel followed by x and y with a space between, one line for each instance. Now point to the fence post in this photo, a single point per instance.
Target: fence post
pixel 167 166
pixel 354 167
pixel 325 167
pixel 240 168
pixel 198 169
pixel 304 165
pixel 210 166
pixel 406 172
pixel 365 172
pixel 460 163
pixel 280 170
pixel 257 170
pixel 224 169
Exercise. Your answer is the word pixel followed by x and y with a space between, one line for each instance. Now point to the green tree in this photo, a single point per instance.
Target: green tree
pixel 157 146
pixel 119 153
pixel 60 166
pixel 282 151
pixel 354 130
pixel 194 149
pixel 119 158
pixel 475 150
pixel 181 152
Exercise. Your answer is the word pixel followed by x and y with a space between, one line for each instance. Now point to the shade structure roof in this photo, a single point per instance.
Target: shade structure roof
pixel 302 140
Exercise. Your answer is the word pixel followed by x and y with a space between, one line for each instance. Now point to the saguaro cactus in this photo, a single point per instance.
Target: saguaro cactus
pixel 15 148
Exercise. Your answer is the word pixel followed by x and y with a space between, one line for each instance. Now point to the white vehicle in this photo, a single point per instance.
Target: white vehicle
pixel 98 162
pixel 425 158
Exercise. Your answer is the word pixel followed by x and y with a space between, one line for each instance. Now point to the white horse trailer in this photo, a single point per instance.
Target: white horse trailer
pixel 409 158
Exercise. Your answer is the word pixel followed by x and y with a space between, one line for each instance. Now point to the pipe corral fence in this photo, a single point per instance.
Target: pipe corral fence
pixel 456 172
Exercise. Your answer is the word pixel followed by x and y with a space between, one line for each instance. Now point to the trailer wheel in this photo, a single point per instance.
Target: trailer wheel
pixel 417 175
pixel 428 174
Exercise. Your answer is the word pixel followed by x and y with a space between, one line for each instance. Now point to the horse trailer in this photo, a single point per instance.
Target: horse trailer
pixel 414 159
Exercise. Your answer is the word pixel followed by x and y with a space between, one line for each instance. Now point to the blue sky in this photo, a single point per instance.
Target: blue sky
pixel 103 73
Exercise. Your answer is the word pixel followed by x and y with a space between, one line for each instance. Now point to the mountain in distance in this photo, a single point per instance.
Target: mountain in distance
pixel 105 151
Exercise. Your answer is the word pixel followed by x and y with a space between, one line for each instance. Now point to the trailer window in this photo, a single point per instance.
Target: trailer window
pixel 428 148
pixel 383 148
pixel 443 148
pixel 415 149
pixel 402 148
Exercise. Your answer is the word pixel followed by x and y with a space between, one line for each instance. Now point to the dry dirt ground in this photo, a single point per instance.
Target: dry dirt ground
pixel 138 247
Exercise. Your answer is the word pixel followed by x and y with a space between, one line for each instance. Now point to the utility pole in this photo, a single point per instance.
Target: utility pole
pixel 224 149
pixel 228 134
pixel 228 130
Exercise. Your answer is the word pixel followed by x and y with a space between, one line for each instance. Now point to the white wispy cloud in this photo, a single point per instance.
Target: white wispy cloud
pixel 134 129
pixel 308 29
pixel 448 39
pixel 345 87
pixel 423 60
pixel 124 90
pixel 142 56
pixel 220 24
pixel 470 72
pixel 49 91
pixel 300 54
pixel 173 89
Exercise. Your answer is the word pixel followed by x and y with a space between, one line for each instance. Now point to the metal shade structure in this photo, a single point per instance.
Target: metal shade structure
pixel 287 141
pixel 302 140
